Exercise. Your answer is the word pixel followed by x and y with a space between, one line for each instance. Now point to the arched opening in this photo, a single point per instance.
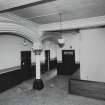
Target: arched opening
pixel 11 44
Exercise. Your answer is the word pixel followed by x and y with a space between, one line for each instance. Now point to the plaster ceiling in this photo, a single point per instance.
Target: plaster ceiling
pixel 6 4
pixel 71 9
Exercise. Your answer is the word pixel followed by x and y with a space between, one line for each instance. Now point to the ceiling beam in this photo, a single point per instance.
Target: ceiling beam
pixel 25 6
pixel 85 23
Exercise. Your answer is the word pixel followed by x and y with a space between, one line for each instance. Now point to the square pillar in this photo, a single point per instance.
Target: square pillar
pixel 37 83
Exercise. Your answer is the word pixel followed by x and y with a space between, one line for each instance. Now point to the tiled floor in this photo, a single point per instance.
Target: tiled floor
pixel 55 92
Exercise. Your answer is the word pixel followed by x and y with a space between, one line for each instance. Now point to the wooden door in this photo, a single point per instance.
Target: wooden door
pixel 47 60
pixel 26 64
pixel 25 59
pixel 68 61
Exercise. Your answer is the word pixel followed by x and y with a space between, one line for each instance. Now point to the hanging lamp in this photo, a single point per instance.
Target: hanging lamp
pixel 60 38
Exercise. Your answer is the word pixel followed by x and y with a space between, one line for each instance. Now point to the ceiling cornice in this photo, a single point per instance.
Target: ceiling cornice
pixel 10 9
pixel 10 17
pixel 75 24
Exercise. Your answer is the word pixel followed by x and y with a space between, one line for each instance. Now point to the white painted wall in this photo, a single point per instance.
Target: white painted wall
pixel 92 54
pixel 71 39
pixel 92 46
pixel 13 23
pixel 10 48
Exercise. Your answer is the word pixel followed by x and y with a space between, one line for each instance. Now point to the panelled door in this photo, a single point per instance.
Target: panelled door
pixel 25 59
pixel 68 61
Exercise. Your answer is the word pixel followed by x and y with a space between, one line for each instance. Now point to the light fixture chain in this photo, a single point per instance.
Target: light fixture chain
pixel 60 15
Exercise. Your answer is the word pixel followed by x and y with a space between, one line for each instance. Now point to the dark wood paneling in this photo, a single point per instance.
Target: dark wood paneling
pixel 87 88
pixel 15 77
pixel 10 79
pixel 53 63
pixel 59 68
pixel 75 72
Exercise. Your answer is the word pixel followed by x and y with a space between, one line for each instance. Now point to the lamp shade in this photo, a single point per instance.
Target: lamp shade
pixel 61 41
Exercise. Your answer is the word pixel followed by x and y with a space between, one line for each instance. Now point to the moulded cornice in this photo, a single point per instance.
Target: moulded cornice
pixel 75 24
